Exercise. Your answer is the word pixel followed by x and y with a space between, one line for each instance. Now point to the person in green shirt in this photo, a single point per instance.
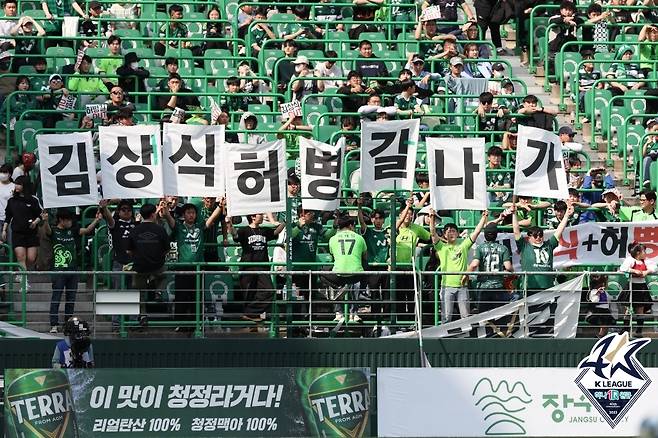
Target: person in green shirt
pixel 409 235
pixel 350 256
pixel 305 235
pixel 650 152
pixel 90 87
pixel 537 253
pixel 189 236
pixel 65 239
pixel 646 212
pixel 491 256
pixel 108 65
pixel 377 243
pixel 453 257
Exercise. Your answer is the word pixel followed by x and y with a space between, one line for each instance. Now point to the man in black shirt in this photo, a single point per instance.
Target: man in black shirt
pixel 285 69
pixel 148 244
pixel 355 92
pixel 368 64
pixel 180 96
pixel 257 288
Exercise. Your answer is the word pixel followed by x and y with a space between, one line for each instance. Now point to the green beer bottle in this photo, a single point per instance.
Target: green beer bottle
pixel 39 404
pixel 336 401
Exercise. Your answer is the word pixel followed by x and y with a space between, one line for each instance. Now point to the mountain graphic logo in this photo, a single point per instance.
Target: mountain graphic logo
pixel 503 406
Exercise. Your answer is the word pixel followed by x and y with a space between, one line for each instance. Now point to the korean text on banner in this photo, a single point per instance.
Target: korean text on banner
pixel 68 169
pixel 192 160
pixel 539 168
pixel 255 177
pixel 388 155
pixel 321 168
pixel 457 173
pixel 131 161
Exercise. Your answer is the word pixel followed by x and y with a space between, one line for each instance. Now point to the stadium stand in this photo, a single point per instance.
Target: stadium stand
pixel 585 70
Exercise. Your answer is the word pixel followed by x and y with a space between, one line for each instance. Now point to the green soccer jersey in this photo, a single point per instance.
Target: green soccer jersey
pixel 492 257
pixel 407 240
pixel 377 243
pixel 190 240
pixel 347 248
pixel 404 104
pixel 305 242
pixel 65 248
pixel 453 258
pixel 537 259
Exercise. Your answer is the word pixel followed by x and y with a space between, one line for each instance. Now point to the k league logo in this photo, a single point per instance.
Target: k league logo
pixel 612 378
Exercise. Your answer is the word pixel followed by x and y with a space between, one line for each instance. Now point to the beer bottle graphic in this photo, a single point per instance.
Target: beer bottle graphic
pixel 40 404
pixel 336 402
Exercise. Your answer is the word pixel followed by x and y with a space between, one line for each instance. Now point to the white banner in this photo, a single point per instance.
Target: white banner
pixel 68 169
pixel 539 166
pixel 321 170
pixel 388 155
pixel 505 402
pixel 255 177
pixel 192 160
pixel 457 173
pixel 552 313
pixel 131 161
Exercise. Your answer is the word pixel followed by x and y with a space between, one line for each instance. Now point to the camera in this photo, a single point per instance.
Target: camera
pixel 79 334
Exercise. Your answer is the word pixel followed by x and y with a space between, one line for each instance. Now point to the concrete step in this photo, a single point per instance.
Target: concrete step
pixel 44 306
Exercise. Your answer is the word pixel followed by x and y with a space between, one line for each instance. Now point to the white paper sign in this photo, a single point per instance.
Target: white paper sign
pixel 321 169
pixel 431 13
pixel 131 161
pixel 192 160
pixel 68 169
pixel 457 173
pixel 388 154
pixel 291 109
pixel 67 103
pixel 96 110
pixel 539 165
pixel 255 177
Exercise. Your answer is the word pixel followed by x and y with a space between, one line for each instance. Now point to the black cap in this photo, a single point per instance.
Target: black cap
pixel 491 227
pixel 498 66
pixel 566 130
pixel 131 57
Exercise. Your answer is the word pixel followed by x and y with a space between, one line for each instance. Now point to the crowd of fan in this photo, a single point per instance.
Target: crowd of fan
pixel 451 59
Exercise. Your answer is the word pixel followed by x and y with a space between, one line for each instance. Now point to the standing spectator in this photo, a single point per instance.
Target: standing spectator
pixel 377 244
pixel 28 32
pixel 599 315
pixel 597 179
pixel 6 191
pixel 189 236
pixel 66 246
pixel 89 27
pixel 453 257
pixel 563 27
pixel 648 39
pixel 132 76
pixel 638 299
pixel 62 8
pixel 285 69
pixel 173 29
pixel 260 32
pixel 485 10
pixel 587 76
pixel 25 165
pixel 350 256
pixel 257 289
pixel 493 257
pixel 537 253
pixel 109 64
pixel 10 8
pixel 148 244
pixel 595 29
pixel 23 216
pixel 245 17
pixel 449 15
pixel 497 177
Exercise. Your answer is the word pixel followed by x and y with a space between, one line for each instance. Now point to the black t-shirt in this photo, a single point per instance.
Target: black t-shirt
pixel 254 243
pixel 149 243
pixel 120 235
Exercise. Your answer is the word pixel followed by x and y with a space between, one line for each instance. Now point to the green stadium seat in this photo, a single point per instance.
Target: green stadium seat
pixel 129 39
pixel 268 58
pixel 567 67
pixel 618 116
pixel 157 74
pixel 216 61
pixel 324 132
pixel 58 57
pixel 374 38
pixel 337 41
pixel 24 135
pixel 26 70
pixel 284 27
pixel 633 139
pixel 601 61
pixel 626 38
pixel 638 105
pixel 392 61
pixel 312 113
pixel 313 55
pixel 196 28
pixel 66 126
pixel 147 58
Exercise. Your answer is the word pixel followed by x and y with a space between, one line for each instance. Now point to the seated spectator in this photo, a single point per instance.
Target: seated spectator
pixel 285 69
pixel 301 88
pixel 117 101
pixel 179 96
pixel 17 103
pixel 625 70
pixel 25 28
pixel 648 52
pixel 489 114
pixel 608 209
pixel 249 83
pixel 373 109
pixel 573 169
pixel 7 82
pixel 329 69
pixel 132 77
pixel 328 10
pixel 596 29
pixel 172 29
pixel 498 178
pixel 555 215
pixel 352 141
pixel 597 179
pixel 245 17
pixel 526 211
pixel 306 34
pixel 260 32
pixel 171 66
pixel 650 151
pixel 429 39
pixel 355 92
pixel 10 8
pixel 108 65
pixel 563 27
pixel 231 99
pixel 581 214
pixel 249 122
pixel 421 77
pixel 369 66
pixel 449 51
pixel 587 76
pixel 449 13
pixel 406 103
pixel 214 31
pixel 422 197
pixel 533 114
pixel 475 69
pixel 471 32
pixel 621 17
pixel 89 86
pixel 89 27
pixel 292 138
pixel 50 100
pixel 363 10
pixel 504 101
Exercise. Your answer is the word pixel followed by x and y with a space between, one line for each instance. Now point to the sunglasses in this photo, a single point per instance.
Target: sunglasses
pixel 536 235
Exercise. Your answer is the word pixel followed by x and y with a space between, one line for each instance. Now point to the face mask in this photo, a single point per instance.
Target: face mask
pixel 299 68
pixel 4 177
pixel 134 65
